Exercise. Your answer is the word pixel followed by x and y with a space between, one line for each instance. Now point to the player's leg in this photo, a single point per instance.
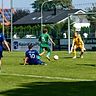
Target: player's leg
pixel 39 62
pixel 0 64
pixel 40 51
pixel 74 51
pixel 48 53
pixel 0 59
pixel 82 51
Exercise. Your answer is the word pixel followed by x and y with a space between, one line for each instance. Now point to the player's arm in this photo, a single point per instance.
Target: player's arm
pixel 5 42
pixel 82 42
pixel 83 45
pixel 25 60
pixel 80 39
pixel 51 41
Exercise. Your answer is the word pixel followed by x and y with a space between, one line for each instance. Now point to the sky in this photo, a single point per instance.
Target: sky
pixel 17 4
pixel 25 4
pixel 83 3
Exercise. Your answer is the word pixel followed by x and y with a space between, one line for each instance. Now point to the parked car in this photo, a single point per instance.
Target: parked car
pixel 29 36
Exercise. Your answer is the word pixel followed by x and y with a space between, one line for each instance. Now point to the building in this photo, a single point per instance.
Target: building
pixel 52 17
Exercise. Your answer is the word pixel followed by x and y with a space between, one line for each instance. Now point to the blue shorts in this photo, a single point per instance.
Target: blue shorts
pixel 37 62
pixel 1 54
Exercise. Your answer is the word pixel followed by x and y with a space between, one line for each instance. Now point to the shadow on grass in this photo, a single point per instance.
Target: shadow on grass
pixel 26 64
pixel 67 57
pixel 90 65
pixel 21 63
pixel 84 88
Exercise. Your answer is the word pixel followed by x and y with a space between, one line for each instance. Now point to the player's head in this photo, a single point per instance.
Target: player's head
pixel 45 30
pixel 75 34
pixel 30 46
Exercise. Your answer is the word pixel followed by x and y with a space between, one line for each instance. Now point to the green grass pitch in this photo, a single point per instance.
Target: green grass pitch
pixel 63 77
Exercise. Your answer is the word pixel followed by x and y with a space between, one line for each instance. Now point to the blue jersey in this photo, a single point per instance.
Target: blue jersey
pixel 32 56
pixel 2 38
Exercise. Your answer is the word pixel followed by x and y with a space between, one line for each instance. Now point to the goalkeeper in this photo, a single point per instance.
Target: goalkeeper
pixel 77 43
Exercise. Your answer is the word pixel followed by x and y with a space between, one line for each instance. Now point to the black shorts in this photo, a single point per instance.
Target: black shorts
pixel 47 49
pixel 1 54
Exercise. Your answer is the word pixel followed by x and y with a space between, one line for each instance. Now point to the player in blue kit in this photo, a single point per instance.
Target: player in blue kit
pixel 31 56
pixel 2 42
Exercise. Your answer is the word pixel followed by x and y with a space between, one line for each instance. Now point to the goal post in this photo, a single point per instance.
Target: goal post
pixel 69 34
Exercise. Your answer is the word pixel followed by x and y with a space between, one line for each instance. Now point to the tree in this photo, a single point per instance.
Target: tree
pixel 19 14
pixel 92 19
pixel 50 5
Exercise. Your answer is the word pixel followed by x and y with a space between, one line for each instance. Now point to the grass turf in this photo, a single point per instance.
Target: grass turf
pixel 25 84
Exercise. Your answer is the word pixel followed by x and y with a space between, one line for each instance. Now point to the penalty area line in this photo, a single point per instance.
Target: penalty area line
pixel 46 77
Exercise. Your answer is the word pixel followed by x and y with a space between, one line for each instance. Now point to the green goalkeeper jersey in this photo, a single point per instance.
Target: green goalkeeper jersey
pixel 44 40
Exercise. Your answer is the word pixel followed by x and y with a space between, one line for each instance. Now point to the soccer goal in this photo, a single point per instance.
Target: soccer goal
pixel 84 23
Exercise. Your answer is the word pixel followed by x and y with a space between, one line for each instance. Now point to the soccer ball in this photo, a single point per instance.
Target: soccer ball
pixel 56 57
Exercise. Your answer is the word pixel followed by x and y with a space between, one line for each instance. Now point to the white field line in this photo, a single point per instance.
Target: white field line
pixel 45 77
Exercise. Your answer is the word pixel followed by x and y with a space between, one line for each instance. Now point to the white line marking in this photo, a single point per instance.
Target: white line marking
pixel 46 77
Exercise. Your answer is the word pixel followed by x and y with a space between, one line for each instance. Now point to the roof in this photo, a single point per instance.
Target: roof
pixel 48 17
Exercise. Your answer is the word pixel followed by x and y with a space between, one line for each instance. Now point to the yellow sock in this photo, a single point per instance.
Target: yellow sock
pixel 74 53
